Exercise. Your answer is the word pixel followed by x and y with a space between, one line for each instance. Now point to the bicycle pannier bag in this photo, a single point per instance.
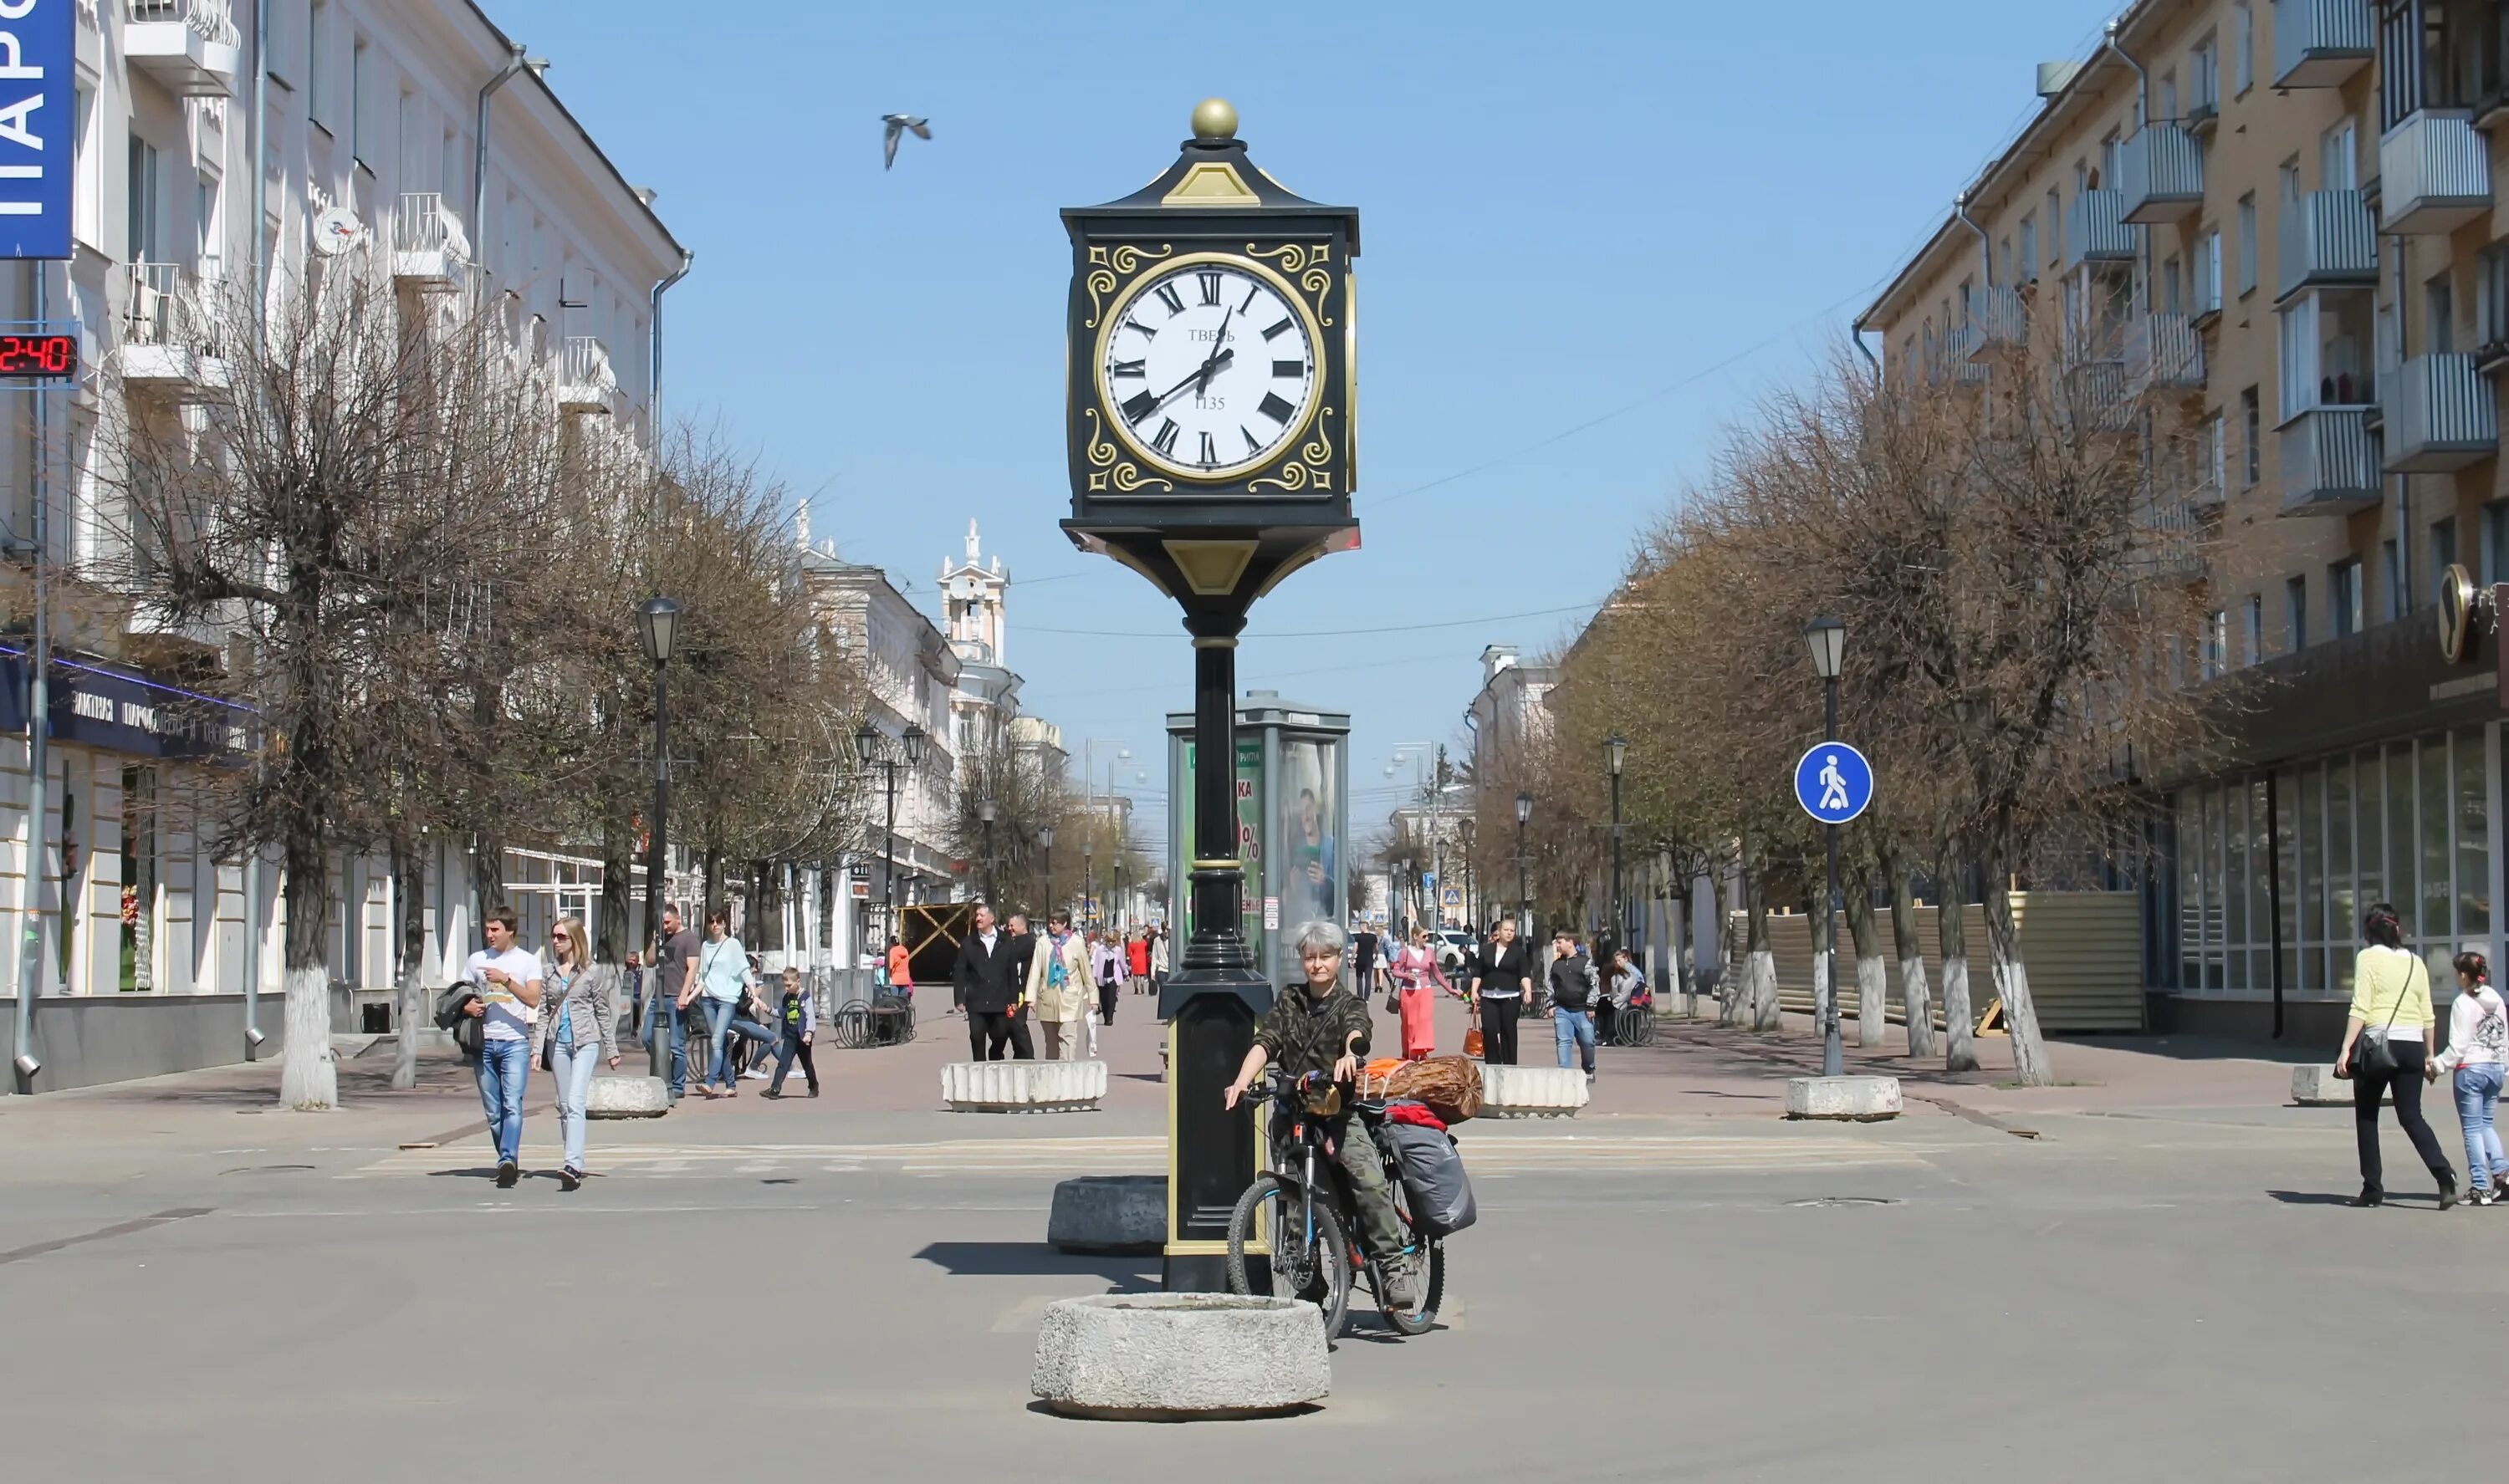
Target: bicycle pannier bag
pixel 1432 1177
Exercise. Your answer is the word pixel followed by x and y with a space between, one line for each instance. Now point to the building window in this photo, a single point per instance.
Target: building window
pixel 2208 272
pixel 364 132
pixel 2170 302
pixel 2212 653
pixel 2496 544
pixel 319 85
pixel 86 187
pixel 2443 545
pixel 2392 573
pixel 2029 248
pixel 2204 80
pixel 2055 230
pixel 146 180
pixel 2216 454
pixel 2248 242
pixel 2243 48
pixel 2252 629
pixel 2492 302
pixel 2251 436
pixel 2343 596
pixel 2294 597
pixel 208 211
pixel 2439 314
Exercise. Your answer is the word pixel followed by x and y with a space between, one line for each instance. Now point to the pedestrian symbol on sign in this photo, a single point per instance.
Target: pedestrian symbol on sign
pixel 1833 782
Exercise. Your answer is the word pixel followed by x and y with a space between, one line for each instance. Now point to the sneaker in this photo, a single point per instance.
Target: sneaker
pixel 2483 1195
pixel 1401 1279
pixel 756 1074
pixel 507 1173
pixel 570 1178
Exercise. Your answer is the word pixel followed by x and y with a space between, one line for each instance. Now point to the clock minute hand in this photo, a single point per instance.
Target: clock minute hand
pixel 1191 378
pixel 1220 351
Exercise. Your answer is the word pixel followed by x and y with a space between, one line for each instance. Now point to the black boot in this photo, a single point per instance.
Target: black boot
pixel 2446 1191
pixel 2370 1195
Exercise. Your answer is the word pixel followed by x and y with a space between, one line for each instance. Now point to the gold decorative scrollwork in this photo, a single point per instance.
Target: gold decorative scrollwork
pixel 1113 267
pixel 1305 262
pixel 1109 465
pixel 1309 467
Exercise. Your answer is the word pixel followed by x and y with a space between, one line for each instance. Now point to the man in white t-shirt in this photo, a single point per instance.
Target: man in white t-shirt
pixel 509 984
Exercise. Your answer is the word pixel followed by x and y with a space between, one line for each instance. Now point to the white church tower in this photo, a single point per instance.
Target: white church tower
pixel 972 598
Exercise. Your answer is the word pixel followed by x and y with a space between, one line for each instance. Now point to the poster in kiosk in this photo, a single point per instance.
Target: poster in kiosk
pixel 1292 825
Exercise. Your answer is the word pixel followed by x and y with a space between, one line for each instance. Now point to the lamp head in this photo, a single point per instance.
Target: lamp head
pixel 658 623
pixel 915 739
pixel 1616 747
pixel 1524 807
pixel 1045 835
pixel 1827 637
pixel 985 811
pixel 867 740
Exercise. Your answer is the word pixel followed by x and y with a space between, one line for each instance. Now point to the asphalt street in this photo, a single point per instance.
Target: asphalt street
pixel 799 1287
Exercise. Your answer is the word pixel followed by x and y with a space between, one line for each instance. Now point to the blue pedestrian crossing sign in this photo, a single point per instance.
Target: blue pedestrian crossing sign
pixel 1833 783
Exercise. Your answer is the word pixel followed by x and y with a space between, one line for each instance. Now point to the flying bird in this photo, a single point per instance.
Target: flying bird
pixel 898 124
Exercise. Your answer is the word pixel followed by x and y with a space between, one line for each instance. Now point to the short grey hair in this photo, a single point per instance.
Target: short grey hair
pixel 1320 937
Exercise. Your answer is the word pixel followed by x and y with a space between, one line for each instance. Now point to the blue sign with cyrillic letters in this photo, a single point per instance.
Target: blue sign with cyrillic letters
pixel 38 126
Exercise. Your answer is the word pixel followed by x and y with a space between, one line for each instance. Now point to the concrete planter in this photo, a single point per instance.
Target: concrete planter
pixel 1124 1215
pixel 2317 1087
pixel 1532 1091
pixel 627 1097
pixel 1023 1087
pixel 1180 1356
pixel 1853 1099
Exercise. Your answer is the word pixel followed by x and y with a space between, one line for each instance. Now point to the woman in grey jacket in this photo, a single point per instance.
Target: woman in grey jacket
pixel 578 1027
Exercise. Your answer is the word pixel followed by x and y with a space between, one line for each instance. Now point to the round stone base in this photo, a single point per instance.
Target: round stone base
pixel 1121 1215
pixel 1180 1356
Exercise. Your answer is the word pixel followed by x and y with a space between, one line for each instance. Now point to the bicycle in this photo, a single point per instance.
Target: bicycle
pixel 1634 1024
pixel 1312 1256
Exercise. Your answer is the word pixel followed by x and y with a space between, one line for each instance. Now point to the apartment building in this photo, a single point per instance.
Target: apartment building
pixel 370 115
pixel 2286 212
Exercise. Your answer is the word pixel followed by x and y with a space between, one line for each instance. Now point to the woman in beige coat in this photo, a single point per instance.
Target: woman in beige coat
pixel 1058 985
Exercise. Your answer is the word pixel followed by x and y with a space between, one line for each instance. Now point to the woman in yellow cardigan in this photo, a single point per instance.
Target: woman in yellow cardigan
pixel 2391 1002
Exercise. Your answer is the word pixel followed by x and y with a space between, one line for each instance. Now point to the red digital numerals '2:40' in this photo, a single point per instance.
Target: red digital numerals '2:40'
pixel 38 355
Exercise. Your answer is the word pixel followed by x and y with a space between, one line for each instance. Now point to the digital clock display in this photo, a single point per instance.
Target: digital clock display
pixel 38 356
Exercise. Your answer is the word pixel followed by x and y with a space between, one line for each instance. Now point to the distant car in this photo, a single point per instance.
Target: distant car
pixel 1454 946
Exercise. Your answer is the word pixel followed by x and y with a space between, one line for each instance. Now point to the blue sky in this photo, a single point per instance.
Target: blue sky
pixel 1594 234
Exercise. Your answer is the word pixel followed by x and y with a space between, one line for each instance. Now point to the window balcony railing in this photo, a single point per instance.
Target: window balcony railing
pixel 2434 173
pixel 190 46
pixel 2441 414
pixel 2330 465
pixel 2096 229
pixel 166 338
pixel 586 381
pixel 1998 320
pixel 430 248
pixel 2160 173
pixel 2329 240
pixel 2163 352
pixel 2321 43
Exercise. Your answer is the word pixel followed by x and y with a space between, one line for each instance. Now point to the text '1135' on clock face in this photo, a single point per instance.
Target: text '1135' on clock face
pixel 1208 366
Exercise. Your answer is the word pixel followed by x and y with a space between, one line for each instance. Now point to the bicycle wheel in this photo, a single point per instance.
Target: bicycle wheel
pixel 1313 1267
pixel 1422 1315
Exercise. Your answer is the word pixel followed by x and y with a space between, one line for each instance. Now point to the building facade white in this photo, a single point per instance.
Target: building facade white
pixel 369 116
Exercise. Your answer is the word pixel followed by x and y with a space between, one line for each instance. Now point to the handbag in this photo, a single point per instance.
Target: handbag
pixel 1473 1044
pixel 2376 1056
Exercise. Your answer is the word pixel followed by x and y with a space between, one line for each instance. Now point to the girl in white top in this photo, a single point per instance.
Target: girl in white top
pixel 2478 1034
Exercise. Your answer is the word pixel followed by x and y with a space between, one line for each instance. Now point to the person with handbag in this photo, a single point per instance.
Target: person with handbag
pixel 506 982
pixel 1415 971
pixel 2478 1034
pixel 1058 985
pixel 578 1031
pixel 1504 981
pixel 2387 1046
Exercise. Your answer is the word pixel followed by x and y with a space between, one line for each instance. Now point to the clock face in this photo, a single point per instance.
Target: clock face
pixel 1209 369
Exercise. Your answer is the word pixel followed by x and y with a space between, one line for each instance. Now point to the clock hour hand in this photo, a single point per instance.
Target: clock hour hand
pixel 1219 352
pixel 1192 378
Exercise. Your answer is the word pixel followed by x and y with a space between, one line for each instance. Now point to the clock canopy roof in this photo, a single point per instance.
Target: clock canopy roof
pixel 1212 177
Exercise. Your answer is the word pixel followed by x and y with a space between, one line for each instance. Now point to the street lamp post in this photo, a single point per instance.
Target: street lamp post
pixel 984 812
pixel 658 623
pixel 1472 903
pixel 871 747
pixel 1616 750
pixel 1521 910
pixel 1403 873
pixel 1089 875
pixel 1827 637
pixel 1045 843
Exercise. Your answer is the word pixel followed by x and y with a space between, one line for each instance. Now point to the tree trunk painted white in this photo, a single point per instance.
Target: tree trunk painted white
pixel 2030 1065
pixel 1824 989
pixel 1760 977
pixel 1959 1046
pixel 1913 995
pixel 1872 1001
pixel 309 1079
pixel 409 889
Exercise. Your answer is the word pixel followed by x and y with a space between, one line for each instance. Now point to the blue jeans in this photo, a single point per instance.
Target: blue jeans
pixel 660 1006
pixel 573 1066
pixel 2478 1095
pixel 502 1069
pixel 1574 1029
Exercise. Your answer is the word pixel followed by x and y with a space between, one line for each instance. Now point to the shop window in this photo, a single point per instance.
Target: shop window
pixel 2473 806
pixel 139 878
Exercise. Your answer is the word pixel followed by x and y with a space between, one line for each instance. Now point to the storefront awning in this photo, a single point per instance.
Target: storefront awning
pixel 125 711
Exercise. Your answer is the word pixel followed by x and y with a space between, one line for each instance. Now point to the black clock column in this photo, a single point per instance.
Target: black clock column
pixel 1215 540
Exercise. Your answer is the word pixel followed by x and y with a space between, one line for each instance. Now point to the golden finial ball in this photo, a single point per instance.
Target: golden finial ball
pixel 1215 119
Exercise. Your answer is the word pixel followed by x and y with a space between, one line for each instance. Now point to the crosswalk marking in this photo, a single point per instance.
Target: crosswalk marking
pixel 1499 1154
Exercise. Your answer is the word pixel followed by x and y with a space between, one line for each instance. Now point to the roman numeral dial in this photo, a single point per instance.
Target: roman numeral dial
pixel 1209 367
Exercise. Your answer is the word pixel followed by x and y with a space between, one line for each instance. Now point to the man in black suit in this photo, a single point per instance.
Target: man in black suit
pixel 1022 954
pixel 983 980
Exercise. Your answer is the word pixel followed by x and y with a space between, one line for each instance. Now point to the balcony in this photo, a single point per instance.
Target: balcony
pixel 2160 174
pixel 584 380
pixel 2163 352
pixel 166 341
pixel 189 46
pixel 2094 397
pixel 1999 321
pixel 2096 229
pixel 2327 463
pixel 2442 414
pixel 2321 43
pixel 2434 173
pixel 2171 538
pixel 430 248
pixel 2329 240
